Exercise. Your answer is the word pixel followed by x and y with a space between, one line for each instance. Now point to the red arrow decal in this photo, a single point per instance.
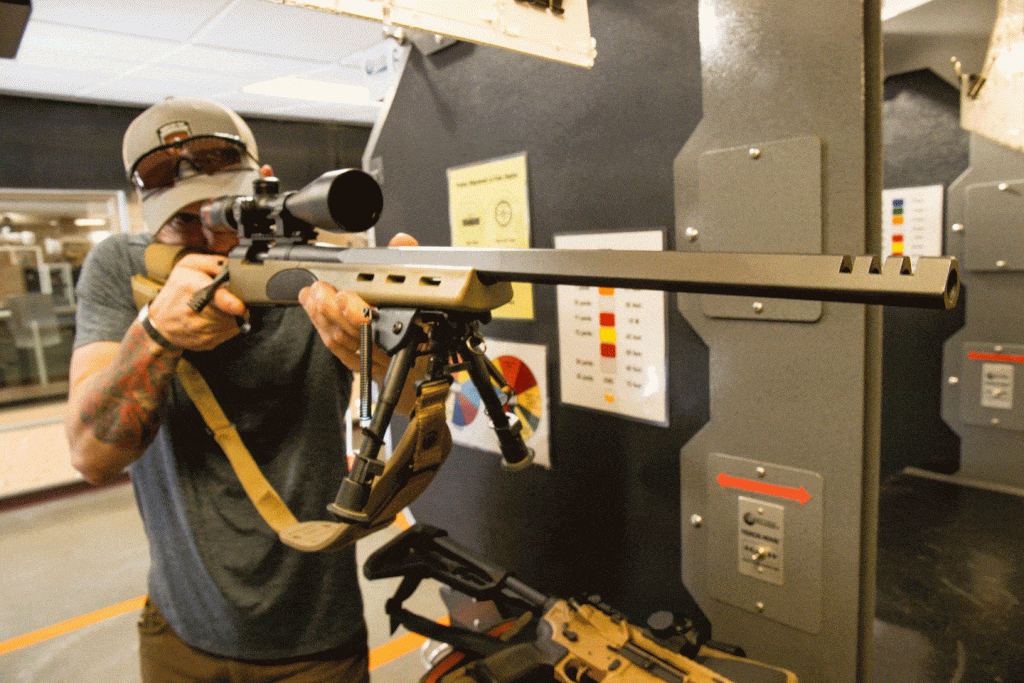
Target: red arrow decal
pixel 800 495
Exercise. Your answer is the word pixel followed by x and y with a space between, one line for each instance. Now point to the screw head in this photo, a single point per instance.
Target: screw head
pixel 397 328
pixel 958 227
pixel 696 521
pixel 758 307
pixel 755 153
pixel 691 234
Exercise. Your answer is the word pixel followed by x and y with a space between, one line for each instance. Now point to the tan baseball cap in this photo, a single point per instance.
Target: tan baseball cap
pixel 177 118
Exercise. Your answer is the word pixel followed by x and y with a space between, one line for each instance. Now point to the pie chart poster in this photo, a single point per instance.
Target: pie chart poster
pixel 524 367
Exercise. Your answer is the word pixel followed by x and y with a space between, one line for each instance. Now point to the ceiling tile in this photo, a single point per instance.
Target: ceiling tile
pixel 250 67
pixel 42 37
pixel 163 73
pixel 17 79
pixel 263 106
pixel 248 103
pixel 338 73
pixel 288 31
pixel 150 90
pixel 331 111
pixel 169 19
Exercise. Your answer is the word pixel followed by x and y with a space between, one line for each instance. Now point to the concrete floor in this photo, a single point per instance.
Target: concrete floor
pixel 950 589
pixel 69 557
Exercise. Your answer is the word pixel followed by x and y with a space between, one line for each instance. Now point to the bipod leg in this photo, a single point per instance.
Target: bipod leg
pixel 514 451
pixel 355 488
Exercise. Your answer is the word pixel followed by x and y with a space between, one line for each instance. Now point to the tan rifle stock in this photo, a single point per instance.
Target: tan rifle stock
pixel 476 279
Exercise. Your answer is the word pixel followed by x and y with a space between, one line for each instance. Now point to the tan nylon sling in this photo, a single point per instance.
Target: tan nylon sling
pixel 411 468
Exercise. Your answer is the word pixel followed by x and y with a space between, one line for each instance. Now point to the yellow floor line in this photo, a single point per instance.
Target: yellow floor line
pixel 71 624
pixel 399 647
pixel 379 656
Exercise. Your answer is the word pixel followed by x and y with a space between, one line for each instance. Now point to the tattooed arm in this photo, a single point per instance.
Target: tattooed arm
pixel 118 388
pixel 115 402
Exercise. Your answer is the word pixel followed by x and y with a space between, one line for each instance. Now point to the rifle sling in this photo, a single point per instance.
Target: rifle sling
pixel 264 497
pixel 464 640
pixel 423 448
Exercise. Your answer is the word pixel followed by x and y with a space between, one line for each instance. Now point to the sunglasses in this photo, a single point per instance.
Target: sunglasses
pixel 209 154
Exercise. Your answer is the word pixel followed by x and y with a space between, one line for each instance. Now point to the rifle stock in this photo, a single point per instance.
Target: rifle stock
pixel 477 279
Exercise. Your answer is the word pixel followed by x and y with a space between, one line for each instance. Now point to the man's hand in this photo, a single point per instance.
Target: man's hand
pixel 337 316
pixel 172 317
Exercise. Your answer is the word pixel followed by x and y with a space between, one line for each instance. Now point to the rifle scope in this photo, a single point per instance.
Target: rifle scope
pixel 344 200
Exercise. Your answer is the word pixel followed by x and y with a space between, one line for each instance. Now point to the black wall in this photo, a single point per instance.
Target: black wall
pixel 600 145
pixel 63 145
pixel 924 145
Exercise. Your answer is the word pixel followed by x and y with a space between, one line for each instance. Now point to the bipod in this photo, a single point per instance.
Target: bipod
pixel 453 342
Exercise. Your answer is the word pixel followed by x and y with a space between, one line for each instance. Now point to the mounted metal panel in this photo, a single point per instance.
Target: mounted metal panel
pixel 799 396
pixel 992 385
pixel 984 227
pixel 765 541
pixel 994 227
pixel 764 198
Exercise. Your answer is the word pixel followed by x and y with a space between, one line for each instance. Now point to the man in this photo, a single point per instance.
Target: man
pixel 225 595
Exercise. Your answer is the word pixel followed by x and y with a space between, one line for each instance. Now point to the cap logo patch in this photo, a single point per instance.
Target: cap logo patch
pixel 173 132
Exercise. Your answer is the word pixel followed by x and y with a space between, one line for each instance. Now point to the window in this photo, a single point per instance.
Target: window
pixel 44 237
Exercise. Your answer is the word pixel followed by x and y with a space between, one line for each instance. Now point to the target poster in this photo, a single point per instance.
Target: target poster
pixel 489 206
pixel 524 367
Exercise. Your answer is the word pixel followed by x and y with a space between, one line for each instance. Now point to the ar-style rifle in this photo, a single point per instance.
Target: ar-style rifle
pixel 546 638
pixel 432 300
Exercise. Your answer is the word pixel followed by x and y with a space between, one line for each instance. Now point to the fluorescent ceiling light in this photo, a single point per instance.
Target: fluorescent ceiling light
pixel 317 91
pixel 90 222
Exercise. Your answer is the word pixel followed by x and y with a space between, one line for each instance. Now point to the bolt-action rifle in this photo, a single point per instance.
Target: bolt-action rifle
pixel 547 638
pixel 432 301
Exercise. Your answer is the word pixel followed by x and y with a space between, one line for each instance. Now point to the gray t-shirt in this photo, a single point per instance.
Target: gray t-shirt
pixel 218 573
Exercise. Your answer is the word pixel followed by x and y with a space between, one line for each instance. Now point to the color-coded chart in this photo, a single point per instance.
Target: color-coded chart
pixel 606 333
pixel 612 340
pixel 523 366
pixel 466 404
pixel 912 221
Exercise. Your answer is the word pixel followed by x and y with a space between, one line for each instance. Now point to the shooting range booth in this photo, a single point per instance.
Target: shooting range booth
pixel 834 486
pixel 732 126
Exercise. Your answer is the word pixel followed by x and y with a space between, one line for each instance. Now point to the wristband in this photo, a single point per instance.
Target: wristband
pixel 154 333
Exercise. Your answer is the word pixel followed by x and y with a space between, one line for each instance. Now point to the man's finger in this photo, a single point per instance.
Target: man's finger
pixel 228 302
pixel 354 308
pixel 403 240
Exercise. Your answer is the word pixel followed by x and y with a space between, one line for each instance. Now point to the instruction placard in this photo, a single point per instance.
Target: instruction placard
pixel 488 205
pixel 912 221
